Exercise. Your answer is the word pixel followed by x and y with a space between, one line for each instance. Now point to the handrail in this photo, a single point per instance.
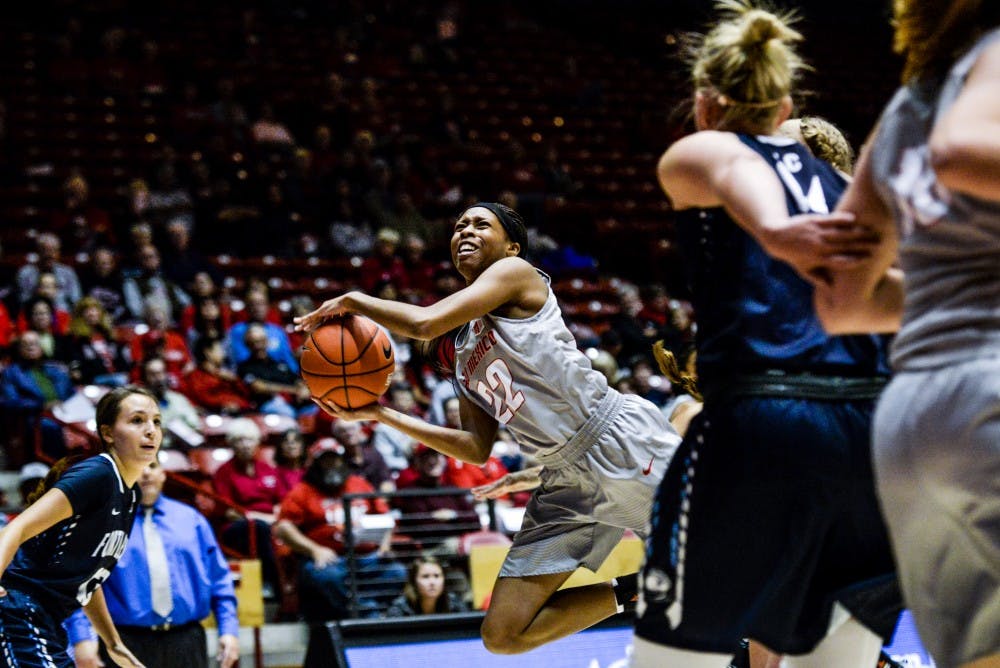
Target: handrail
pixel 348 500
pixel 184 481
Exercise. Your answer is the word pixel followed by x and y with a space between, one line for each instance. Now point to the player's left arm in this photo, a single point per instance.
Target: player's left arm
pixel 965 142
pixel 507 281
pixel 97 612
pixel 473 443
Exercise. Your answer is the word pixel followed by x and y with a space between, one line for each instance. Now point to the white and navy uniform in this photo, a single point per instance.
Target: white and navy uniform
pixel 57 571
pixel 768 513
pixel 937 427
pixel 603 452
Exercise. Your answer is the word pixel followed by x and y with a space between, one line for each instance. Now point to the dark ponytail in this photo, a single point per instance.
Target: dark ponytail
pixel 50 479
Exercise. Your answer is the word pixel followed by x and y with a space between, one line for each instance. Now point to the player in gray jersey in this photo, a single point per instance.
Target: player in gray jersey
pixel 517 365
pixel 929 182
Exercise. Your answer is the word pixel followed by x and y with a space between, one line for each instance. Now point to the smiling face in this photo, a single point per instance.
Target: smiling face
pixel 479 240
pixel 136 433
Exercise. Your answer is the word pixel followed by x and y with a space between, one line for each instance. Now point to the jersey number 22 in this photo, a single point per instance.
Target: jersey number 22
pixel 500 393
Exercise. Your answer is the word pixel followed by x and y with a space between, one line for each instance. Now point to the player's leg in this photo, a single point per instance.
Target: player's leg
pixel 762 657
pixel 849 644
pixel 938 464
pixel 646 654
pixel 528 611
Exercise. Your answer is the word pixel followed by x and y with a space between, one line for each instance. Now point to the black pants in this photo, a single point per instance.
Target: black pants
pixel 237 537
pixel 179 647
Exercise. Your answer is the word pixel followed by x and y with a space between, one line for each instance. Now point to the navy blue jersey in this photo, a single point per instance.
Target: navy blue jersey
pixel 62 566
pixel 754 312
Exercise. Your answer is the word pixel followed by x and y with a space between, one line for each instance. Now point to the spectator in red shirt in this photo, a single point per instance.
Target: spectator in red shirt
pixel 160 341
pixel 251 483
pixel 290 457
pixel 59 318
pixel 311 522
pixel 56 345
pixel 384 265
pixel 462 474
pixel 362 457
pixel 435 521
pixel 6 327
pixel 81 225
pixel 420 271
pixel 212 386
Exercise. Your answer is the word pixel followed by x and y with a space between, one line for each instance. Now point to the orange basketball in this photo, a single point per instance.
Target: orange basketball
pixel 347 360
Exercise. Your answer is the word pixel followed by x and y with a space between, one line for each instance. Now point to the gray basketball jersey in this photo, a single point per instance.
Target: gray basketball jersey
pixel 949 242
pixel 529 375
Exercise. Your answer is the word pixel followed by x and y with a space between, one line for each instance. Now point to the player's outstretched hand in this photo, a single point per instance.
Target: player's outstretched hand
pixel 369 412
pixel 123 657
pixel 518 481
pixel 331 308
pixel 811 240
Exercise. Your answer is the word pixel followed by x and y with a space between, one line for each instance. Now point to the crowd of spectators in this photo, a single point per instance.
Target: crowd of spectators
pixel 140 288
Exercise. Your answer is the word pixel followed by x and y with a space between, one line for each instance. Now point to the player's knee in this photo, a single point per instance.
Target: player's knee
pixel 500 639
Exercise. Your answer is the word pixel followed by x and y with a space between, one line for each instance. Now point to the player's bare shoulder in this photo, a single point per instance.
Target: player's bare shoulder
pixel 528 290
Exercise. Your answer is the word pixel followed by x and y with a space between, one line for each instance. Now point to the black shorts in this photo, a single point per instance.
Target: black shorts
pixel 28 634
pixel 766 515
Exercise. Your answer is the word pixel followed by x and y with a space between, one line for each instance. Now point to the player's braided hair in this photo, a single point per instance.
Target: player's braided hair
pixel 50 479
pixel 826 142
pixel 439 353
pixel 672 371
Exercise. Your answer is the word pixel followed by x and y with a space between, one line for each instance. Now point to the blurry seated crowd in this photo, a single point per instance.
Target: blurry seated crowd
pixel 171 269
pixel 245 444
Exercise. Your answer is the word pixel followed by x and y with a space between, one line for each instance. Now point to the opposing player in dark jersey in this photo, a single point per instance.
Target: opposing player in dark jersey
pixel 518 365
pixel 766 523
pixel 55 555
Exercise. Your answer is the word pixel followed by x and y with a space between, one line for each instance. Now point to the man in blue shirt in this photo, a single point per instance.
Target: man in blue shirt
pixel 196 577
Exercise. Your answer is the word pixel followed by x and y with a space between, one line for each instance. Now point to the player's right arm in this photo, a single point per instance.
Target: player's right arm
pixel 97 612
pixel 473 443
pixel 510 281
pixel 965 142
pixel 53 507
pixel 715 169
pixel 868 296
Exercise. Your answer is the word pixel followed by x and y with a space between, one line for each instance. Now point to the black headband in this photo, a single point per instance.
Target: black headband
pixel 511 221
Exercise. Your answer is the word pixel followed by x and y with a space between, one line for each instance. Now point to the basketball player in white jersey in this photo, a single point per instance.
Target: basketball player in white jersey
pixel 517 364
